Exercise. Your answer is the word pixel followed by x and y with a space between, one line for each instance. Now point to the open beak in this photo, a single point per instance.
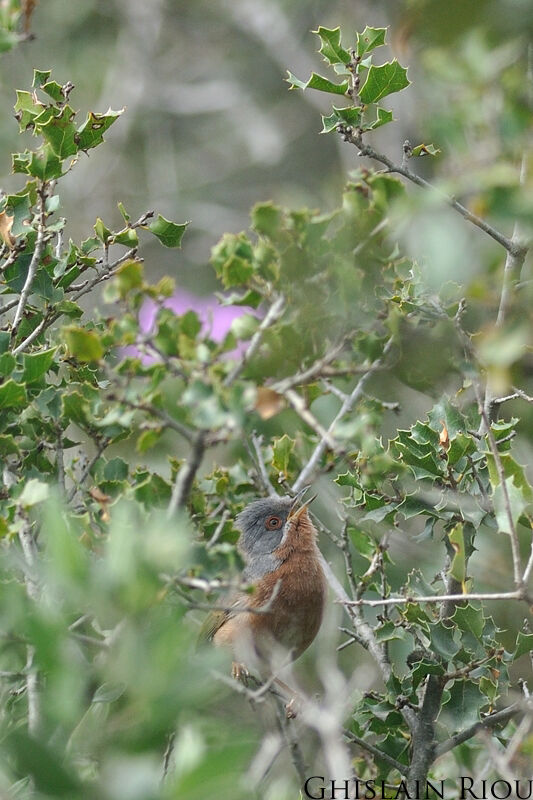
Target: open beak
pixel 296 511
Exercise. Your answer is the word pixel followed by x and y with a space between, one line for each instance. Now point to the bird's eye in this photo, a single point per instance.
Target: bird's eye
pixel 273 523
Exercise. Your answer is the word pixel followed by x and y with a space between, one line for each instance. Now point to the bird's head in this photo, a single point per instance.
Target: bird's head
pixel 264 522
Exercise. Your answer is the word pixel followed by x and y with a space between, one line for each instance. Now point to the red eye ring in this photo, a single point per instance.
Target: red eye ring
pixel 273 523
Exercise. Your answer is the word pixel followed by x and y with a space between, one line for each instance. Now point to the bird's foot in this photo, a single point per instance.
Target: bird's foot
pixel 291 708
pixel 239 672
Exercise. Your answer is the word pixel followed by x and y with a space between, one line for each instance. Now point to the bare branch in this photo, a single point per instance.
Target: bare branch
pixel 366 150
pixel 498 718
pixel 307 472
pixel 435 598
pixel 186 475
pixel 314 371
pixel 257 457
pixel 392 762
pixel 274 313
pixel 34 263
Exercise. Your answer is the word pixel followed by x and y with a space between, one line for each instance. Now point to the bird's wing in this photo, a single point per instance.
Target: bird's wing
pixel 211 624
pixel 216 619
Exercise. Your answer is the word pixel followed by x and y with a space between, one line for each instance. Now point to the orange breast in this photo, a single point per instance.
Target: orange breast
pixel 295 615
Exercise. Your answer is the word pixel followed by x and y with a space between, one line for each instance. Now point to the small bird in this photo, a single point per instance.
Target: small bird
pixel 280 619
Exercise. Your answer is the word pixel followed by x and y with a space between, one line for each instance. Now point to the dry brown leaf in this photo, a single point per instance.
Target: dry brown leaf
pixel 444 439
pixel 6 223
pixel 268 403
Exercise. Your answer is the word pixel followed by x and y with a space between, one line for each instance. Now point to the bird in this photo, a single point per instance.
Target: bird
pixel 273 625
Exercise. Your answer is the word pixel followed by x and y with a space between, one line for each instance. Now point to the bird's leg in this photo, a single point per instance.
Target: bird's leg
pixel 239 672
pixel 294 701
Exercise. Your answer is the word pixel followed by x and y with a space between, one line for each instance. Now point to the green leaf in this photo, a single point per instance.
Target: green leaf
pixel 370 39
pixel 169 233
pixel 383 117
pixel 83 344
pixel 44 164
pixel 60 131
pixel 244 327
pixel 12 395
pixel 147 440
pixel 423 668
pixel 442 641
pixel 34 492
pixel 425 150
pixel 319 83
pixel 39 761
pixel 129 276
pixel 382 81
pixel 108 692
pixel 464 704
pixel 267 219
pixel 331 47
pixel 116 470
pixel 37 364
pixel 341 116
pixel 363 543
pixel 281 453
pixel 458 566
pixel 91 133
pixel 40 76
pixel 524 644
pixel 102 232
pixel 7 364
pixel 54 90
pixel 469 618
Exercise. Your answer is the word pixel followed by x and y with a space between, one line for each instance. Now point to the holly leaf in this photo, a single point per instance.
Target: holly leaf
pixel 169 233
pixel 370 39
pixel 91 133
pixel 382 81
pixel 317 82
pixel 330 47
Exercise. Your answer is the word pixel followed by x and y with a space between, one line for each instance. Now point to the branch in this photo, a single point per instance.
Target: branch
pixel 366 150
pixel 310 374
pixel 402 769
pixel 489 722
pixel 34 263
pixel 515 545
pixel 29 549
pixel 86 470
pixel 186 475
pixel 307 472
pixel 274 313
pixel 257 456
pixel 435 598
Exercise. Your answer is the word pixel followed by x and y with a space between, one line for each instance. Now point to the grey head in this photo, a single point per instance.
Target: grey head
pixel 262 525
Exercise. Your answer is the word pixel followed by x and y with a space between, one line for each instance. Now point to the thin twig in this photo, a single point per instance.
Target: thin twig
pixel 86 470
pixel 309 469
pixel 186 474
pixel 515 544
pixel 310 374
pixel 274 313
pixel 497 718
pixel 34 263
pixel 29 549
pixel 369 152
pixel 434 598
pixel 392 762
pixel 257 441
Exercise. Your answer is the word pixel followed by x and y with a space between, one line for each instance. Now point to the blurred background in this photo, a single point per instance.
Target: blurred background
pixel 228 131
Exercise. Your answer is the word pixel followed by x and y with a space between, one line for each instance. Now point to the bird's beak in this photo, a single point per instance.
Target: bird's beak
pixel 295 512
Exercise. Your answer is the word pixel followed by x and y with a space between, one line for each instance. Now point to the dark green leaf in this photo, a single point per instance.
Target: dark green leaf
pixel 382 81
pixel 169 233
pixel 370 39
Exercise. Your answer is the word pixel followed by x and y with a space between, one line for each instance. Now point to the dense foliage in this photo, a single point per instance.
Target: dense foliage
pixel 128 449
